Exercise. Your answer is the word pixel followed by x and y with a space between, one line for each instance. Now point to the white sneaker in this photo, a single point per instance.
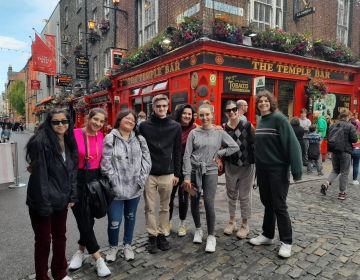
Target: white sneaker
pixel 101 268
pixel 67 277
pixel 182 230
pixel 355 182
pixel 77 260
pixel 198 236
pixel 261 240
pixel 285 250
pixel 111 254
pixel 210 244
pixel 128 252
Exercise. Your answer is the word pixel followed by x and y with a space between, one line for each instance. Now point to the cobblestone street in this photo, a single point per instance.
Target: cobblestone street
pixel 326 243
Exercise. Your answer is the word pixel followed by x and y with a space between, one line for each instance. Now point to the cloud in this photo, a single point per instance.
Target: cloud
pixel 12 43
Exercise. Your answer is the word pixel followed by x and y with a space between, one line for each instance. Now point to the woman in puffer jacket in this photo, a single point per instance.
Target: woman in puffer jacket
pixel 126 162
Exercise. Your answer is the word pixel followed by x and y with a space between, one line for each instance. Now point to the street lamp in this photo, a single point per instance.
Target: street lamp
pixel 91 24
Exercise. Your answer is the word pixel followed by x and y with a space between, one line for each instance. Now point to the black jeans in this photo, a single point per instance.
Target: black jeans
pixel 273 184
pixel 84 219
pixel 183 201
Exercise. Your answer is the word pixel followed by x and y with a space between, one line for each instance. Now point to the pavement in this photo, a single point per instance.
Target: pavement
pixel 326 243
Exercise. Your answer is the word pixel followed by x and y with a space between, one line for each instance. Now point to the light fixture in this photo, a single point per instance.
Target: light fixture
pixel 116 2
pixel 91 24
pixel 252 34
pixel 166 41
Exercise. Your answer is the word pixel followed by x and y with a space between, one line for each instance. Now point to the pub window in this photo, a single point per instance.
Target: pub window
pixel 266 13
pixel 286 98
pixel 137 104
pixel 148 15
pixel 94 15
pixel 342 27
pixel 178 99
pixel 66 16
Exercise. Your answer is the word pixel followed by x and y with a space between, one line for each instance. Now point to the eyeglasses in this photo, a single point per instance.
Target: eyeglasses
pixel 63 122
pixel 161 106
pixel 234 110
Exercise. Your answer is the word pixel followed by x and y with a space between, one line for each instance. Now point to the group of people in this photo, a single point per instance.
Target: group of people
pixel 161 157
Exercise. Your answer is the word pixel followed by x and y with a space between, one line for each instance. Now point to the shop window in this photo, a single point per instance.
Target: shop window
pixel 286 98
pixel 266 13
pixel 147 105
pixel 136 104
pixel 343 21
pixel 178 99
pixel 269 85
pixel 148 14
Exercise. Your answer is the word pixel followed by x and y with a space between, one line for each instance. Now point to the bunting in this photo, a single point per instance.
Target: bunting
pixel 43 55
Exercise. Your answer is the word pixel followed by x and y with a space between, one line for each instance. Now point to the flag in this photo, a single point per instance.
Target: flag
pixel 43 55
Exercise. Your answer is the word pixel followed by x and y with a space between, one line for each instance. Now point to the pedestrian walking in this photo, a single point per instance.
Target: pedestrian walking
pixel 314 140
pixel 126 162
pixel 89 141
pixel 52 157
pixel 340 139
pixel 185 116
pixel 202 153
pixel 239 170
pixel 305 124
pixel 276 150
pixel 321 128
pixel 163 136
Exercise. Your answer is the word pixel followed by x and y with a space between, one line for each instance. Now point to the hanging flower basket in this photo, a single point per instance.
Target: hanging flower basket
pixel 316 89
pixel 104 25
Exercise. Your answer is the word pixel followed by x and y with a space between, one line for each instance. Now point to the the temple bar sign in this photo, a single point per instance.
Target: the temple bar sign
pixel 305 12
pixel 237 83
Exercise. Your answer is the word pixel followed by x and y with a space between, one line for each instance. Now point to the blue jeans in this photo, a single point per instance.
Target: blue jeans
pixel 356 159
pixel 117 210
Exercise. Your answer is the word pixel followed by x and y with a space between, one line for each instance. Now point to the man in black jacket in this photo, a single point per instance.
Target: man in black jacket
pixel 341 157
pixel 163 136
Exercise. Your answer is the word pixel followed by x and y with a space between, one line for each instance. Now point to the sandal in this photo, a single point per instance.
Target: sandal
pixel 323 189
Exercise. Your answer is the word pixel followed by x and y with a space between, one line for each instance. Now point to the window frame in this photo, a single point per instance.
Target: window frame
pixel 342 21
pixel 148 21
pixel 275 17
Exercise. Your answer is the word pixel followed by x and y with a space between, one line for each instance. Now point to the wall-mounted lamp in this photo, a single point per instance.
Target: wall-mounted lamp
pixel 91 24
pixel 116 2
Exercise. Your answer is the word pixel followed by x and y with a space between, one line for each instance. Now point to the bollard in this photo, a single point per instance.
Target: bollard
pixel 17 183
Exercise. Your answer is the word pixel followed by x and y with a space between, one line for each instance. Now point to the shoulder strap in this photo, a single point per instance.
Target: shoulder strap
pixel 86 150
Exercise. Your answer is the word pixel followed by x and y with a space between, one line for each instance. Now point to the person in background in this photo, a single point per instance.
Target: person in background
pixel 355 155
pixel 299 132
pixel 52 157
pixel 314 151
pixel 126 162
pixel 239 170
pixel 185 116
pixel 90 148
pixel 243 108
pixel 141 117
pixel 305 124
pixel 321 128
pixel 163 136
pixel 341 160
pixel 276 150
pixel 6 134
pixel 200 169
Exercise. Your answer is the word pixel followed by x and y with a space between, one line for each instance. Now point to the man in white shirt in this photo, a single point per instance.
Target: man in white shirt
pixel 243 108
pixel 305 123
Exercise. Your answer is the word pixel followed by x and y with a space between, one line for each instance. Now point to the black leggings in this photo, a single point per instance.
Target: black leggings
pixel 183 201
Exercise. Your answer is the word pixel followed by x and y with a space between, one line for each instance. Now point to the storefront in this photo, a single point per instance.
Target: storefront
pixel 217 71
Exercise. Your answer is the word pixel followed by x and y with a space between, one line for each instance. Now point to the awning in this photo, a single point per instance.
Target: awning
pixel 160 86
pixel 45 100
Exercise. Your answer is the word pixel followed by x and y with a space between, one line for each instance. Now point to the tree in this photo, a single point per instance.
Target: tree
pixel 17 97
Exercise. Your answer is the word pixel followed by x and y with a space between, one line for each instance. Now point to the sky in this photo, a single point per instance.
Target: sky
pixel 17 20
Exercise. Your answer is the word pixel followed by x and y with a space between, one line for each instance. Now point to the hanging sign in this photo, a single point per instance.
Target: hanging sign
pixel 82 67
pixel 63 80
pixel 35 84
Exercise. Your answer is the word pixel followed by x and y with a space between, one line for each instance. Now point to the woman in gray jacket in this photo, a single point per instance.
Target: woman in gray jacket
pixel 127 163
pixel 200 169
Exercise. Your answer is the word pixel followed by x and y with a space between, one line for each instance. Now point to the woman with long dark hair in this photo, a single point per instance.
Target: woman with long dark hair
pixel 126 162
pixel 185 116
pixel 52 157
pixel 89 141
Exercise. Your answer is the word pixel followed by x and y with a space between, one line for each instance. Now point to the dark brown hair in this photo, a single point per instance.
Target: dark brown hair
pixel 269 96
pixel 95 111
pixel 123 114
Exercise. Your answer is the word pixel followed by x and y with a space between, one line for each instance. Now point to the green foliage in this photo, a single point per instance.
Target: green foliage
pixel 316 88
pixel 17 97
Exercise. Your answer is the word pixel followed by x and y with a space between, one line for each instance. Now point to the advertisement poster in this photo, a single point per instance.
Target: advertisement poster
pixel 332 104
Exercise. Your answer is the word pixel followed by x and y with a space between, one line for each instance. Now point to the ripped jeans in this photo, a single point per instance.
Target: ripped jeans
pixel 117 210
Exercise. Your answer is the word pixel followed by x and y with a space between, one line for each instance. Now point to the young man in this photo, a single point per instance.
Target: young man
pixel 243 108
pixel 163 136
pixel 305 124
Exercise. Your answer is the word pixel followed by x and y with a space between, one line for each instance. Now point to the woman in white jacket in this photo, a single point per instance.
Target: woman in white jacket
pixel 127 163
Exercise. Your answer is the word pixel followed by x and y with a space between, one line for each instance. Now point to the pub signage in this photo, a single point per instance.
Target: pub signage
pixel 35 84
pixel 99 99
pixel 305 12
pixel 82 67
pixel 63 80
pixel 237 83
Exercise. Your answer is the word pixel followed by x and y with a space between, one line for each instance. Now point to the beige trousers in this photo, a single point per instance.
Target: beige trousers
pixel 162 186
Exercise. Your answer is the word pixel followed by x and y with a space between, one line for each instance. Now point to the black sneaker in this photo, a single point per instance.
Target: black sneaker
pixel 162 243
pixel 152 245
pixel 323 189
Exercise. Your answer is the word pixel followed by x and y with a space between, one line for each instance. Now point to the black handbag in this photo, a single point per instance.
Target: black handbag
pixel 98 191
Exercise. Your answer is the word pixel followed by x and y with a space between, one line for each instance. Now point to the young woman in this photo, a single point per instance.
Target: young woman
pixel 90 147
pixel 200 169
pixel 52 157
pixel 185 116
pixel 126 162
pixel 239 169
pixel 276 149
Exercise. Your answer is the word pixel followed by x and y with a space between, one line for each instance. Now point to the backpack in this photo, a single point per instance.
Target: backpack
pixel 336 138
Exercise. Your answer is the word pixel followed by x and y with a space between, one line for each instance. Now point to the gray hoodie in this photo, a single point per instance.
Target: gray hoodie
pixel 127 164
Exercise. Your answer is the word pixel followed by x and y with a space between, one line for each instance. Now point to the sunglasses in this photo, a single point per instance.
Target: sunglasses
pixel 234 110
pixel 63 122
pixel 161 106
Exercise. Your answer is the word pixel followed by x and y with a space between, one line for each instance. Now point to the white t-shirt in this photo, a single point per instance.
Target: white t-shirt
pixel 305 124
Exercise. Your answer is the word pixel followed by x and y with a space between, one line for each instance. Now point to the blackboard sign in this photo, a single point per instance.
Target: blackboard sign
pixel 237 83
pixel 82 67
